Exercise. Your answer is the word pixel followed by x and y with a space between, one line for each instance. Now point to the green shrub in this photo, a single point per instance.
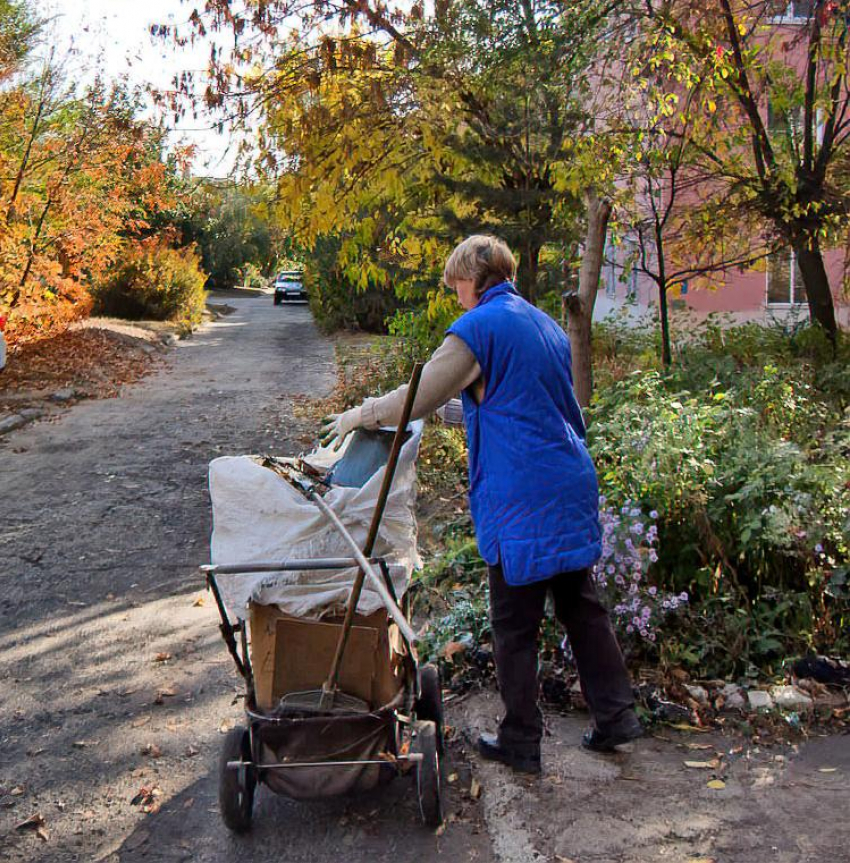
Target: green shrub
pixel 154 282
pixel 743 448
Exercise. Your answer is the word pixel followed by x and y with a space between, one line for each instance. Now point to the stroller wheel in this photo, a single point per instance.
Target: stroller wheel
pixel 429 705
pixel 236 784
pixel 428 774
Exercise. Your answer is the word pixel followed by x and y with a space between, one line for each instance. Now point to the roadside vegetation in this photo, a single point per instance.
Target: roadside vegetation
pixel 98 210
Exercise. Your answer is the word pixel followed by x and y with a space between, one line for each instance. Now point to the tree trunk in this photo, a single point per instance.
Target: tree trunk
pixel 529 266
pixel 813 271
pixel 580 304
pixel 661 282
pixel 666 352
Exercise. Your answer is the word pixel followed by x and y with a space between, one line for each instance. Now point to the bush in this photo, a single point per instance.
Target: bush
pixel 155 282
pixel 743 449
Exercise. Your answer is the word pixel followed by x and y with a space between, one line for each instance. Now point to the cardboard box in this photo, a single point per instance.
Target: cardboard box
pixel 291 654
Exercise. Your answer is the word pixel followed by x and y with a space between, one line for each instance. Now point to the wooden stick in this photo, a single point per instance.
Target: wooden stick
pixel 333 677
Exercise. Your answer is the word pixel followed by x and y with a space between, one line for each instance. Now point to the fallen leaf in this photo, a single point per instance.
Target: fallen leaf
pixel 475 789
pixel 702 765
pixel 191 751
pixel 81 744
pixel 17 791
pixel 683 726
pixel 440 830
pixel 564 859
pixel 162 657
pixel 827 769
pixel 139 721
pixel 698 745
pixel 716 784
pixel 452 648
pixel 199 601
pixel 225 726
pixel 149 798
pixel 188 803
pixel 37 824
pixel 452 778
pixel 162 694
pixel 151 750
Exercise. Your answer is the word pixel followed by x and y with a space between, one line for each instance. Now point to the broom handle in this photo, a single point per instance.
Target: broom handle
pixel 371 538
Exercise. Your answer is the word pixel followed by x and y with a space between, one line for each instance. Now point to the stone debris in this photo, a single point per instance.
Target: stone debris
pixel 733 697
pixel 698 693
pixel 759 699
pixel 63 395
pixel 790 698
pixel 12 422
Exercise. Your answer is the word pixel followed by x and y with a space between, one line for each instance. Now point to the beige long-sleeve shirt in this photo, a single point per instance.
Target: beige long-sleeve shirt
pixel 451 369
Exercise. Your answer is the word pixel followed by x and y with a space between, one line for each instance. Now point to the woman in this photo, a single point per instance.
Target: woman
pixel 533 495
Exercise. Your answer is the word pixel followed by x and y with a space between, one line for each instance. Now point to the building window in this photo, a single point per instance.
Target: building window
pixel 796 11
pixel 788 124
pixel 610 270
pixel 632 286
pixel 784 280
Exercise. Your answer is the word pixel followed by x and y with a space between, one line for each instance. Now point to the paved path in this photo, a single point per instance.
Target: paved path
pixel 104 518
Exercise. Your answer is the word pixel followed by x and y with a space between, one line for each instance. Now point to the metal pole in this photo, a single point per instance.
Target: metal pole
pixel 288 565
pixel 365 567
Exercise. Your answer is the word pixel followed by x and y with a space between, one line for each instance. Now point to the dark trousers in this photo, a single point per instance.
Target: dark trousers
pixel 516 614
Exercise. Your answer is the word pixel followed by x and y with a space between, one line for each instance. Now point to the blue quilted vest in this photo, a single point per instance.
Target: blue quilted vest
pixel 533 490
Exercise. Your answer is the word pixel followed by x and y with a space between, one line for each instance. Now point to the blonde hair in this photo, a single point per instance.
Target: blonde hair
pixel 484 259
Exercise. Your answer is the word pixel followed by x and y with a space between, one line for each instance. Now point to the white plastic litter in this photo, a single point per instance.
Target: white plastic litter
pixel 258 516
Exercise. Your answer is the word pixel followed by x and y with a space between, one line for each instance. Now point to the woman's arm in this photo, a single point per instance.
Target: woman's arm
pixel 450 370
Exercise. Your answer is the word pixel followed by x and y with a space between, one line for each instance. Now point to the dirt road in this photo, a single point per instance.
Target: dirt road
pixel 116 687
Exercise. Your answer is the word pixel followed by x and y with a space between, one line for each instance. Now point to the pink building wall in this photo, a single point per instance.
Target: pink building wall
pixel 745 294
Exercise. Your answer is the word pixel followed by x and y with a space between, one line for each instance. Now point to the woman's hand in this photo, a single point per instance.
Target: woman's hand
pixel 337 427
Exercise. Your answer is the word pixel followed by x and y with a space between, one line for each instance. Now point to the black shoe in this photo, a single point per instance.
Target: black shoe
pixel 525 760
pixel 608 741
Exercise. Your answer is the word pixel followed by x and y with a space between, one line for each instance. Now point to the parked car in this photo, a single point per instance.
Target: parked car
pixel 289 285
pixel 2 343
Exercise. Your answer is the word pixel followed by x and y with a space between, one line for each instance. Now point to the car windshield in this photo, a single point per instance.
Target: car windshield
pixel 289 277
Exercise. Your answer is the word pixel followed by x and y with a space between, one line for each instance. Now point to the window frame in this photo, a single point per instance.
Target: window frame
pixel 788 16
pixel 793 276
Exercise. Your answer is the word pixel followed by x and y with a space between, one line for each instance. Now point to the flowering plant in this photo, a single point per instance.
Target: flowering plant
pixel 629 542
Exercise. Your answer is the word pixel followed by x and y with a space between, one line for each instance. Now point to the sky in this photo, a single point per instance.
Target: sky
pixel 113 36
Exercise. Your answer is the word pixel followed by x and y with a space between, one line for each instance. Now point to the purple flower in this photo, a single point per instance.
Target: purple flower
pixel 819 548
pixel 653 590
pixel 653 514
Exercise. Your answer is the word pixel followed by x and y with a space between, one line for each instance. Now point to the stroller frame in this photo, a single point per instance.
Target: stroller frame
pixel 410 726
